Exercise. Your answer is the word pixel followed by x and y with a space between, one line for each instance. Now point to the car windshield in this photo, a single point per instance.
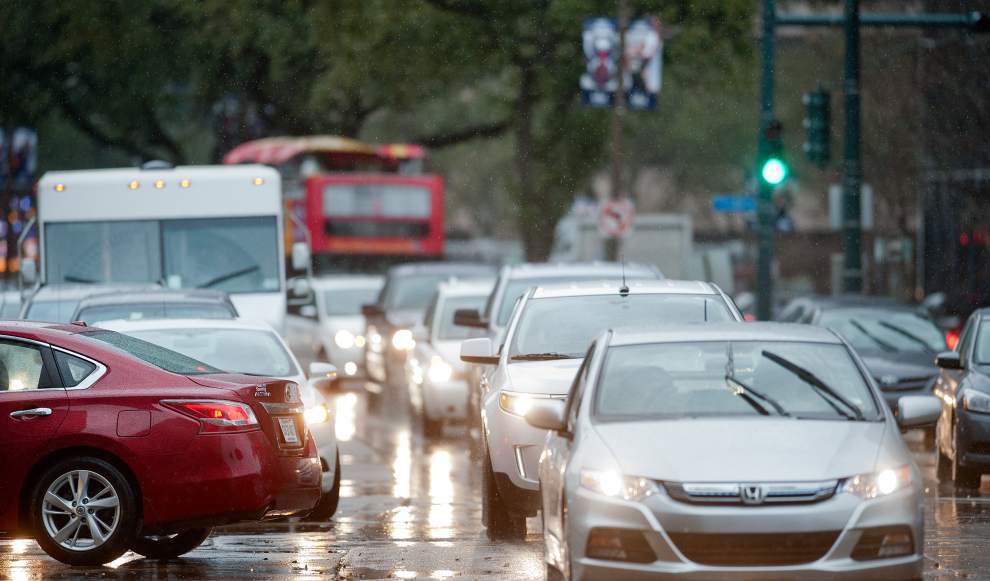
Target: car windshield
pixel 57 311
pixel 156 355
pixel 981 354
pixel 250 351
pixel 740 378
pixel 236 255
pixel 565 326
pixel 412 293
pixel 875 331
pixel 447 330
pixel 515 289
pixel 346 302
pixel 154 311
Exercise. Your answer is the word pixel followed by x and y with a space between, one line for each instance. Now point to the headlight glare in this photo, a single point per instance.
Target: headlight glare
pixel 316 414
pixel 440 371
pixel 402 340
pixel 344 339
pixel 611 483
pixel 516 404
pixel 882 483
pixel 976 401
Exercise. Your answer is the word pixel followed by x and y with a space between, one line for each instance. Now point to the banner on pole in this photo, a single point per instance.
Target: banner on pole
pixel 643 63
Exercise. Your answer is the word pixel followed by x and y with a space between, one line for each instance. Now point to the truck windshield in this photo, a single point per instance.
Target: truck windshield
pixel 236 255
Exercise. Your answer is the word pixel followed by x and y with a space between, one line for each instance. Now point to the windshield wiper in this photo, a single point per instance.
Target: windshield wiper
pixel 543 356
pixel 746 392
pixel 229 276
pixel 883 344
pixel 821 388
pixel 78 279
pixel 907 335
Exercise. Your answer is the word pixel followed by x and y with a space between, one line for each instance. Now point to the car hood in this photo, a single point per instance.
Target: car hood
pixel 543 376
pixel 914 366
pixel 731 450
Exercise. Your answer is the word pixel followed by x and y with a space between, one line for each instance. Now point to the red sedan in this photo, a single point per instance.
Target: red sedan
pixel 110 443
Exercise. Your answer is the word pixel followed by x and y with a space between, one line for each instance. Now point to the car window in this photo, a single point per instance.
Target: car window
pixel 73 369
pixel 412 292
pixel 981 354
pixel 251 351
pixel 873 331
pixel 22 367
pixel 136 312
pixel 446 329
pixel 56 311
pixel 347 302
pixel 966 340
pixel 150 353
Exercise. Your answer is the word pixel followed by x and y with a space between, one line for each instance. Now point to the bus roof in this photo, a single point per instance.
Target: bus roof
pixel 278 150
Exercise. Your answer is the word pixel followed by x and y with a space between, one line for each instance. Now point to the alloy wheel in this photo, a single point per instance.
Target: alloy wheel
pixel 80 510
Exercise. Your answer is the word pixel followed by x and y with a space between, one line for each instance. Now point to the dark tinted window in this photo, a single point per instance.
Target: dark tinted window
pixel 73 369
pixel 153 354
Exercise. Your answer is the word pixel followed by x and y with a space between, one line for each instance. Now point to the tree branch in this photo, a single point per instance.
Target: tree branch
pixel 472 9
pixel 448 138
pixel 90 129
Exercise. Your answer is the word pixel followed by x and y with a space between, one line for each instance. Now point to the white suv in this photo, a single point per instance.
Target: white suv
pixel 547 336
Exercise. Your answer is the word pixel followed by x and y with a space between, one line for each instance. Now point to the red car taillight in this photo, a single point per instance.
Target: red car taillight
pixel 952 338
pixel 217 416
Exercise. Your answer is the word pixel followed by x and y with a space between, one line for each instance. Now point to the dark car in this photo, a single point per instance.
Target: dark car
pixel 408 290
pixel 155 304
pixel 962 438
pixel 897 342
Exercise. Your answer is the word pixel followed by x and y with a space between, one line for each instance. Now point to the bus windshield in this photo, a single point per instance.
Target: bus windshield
pixel 236 255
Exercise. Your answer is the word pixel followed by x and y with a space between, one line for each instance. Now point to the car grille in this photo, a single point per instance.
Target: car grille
pixel 754 549
pixel 773 493
pixel 907 383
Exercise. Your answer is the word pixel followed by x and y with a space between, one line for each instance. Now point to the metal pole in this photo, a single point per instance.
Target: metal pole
pixel 764 263
pixel 852 171
pixel 618 112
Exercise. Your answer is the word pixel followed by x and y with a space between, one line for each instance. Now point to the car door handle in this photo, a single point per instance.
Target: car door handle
pixel 31 413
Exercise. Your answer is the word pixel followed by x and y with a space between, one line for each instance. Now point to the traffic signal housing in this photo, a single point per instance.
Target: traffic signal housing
pixel 818 127
pixel 773 166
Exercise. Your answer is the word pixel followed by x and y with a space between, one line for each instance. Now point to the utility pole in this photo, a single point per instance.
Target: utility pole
pixel 618 113
pixel 764 263
pixel 852 171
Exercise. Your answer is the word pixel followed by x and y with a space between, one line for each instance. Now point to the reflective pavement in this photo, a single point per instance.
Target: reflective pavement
pixel 411 509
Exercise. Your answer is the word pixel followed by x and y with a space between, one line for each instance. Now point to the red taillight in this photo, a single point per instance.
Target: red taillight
pixel 952 338
pixel 217 415
pixel 749 317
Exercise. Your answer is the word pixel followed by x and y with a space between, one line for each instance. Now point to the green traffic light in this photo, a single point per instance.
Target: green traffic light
pixel 774 171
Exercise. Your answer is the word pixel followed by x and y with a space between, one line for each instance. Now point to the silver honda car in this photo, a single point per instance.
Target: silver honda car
pixel 758 450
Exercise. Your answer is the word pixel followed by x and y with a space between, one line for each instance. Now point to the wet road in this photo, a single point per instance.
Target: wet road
pixel 410 509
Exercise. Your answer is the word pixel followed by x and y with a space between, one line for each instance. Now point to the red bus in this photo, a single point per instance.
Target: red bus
pixel 361 205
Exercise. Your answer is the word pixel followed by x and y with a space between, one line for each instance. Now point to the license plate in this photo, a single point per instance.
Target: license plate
pixel 289 433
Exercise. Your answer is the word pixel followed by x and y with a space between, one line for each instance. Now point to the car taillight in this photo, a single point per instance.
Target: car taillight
pixel 952 338
pixel 217 415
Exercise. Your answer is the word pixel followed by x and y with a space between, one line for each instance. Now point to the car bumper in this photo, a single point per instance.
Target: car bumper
pixel 514 446
pixel 973 438
pixel 326 444
pixel 660 519
pixel 223 478
pixel 445 400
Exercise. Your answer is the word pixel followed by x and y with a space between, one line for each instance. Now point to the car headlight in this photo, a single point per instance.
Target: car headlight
pixel 882 483
pixel 402 340
pixel 374 339
pixel 611 483
pixel 344 339
pixel 440 371
pixel 976 401
pixel 316 414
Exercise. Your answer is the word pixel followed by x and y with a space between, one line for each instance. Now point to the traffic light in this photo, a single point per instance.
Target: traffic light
pixel 818 127
pixel 773 166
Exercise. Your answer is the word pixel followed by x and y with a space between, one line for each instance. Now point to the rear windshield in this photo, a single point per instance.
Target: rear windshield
pixel 515 289
pixel 155 311
pixel 150 353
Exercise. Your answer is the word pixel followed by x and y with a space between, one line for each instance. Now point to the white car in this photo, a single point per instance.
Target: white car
pixel 332 329
pixel 548 334
pixel 253 348
pixel 757 450
pixel 437 377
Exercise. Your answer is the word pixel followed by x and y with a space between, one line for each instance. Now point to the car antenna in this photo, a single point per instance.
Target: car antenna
pixel 624 289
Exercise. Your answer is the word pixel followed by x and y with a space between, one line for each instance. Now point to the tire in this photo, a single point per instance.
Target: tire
pixel 117 523
pixel 170 546
pixel 963 477
pixel 500 523
pixel 943 466
pixel 327 506
pixel 928 439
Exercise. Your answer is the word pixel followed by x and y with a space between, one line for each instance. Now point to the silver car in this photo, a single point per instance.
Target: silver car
pixel 759 450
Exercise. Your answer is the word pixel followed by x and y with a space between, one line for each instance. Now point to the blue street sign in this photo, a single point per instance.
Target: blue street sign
pixel 734 204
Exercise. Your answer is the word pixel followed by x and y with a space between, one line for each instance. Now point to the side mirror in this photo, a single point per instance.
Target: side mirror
pixel 948 360
pixel 478 351
pixel 300 286
pixel 469 318
pixel 29 271
pixel 308 311
pixel 918 410
pixel 547 415
pixel 300 256
pixel 323 376
pixel 372 310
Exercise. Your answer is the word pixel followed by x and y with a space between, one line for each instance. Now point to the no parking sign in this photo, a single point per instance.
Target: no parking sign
pixel 615 218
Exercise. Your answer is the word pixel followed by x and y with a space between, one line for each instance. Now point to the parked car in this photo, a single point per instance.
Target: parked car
pixel 105 436
pixel 255 349
pixel 548 334
pixel 962 438
pixel 437 378
pixel 155 304
pixel 332 327
pixel 764 450
pixel 400 306
pixel 57 302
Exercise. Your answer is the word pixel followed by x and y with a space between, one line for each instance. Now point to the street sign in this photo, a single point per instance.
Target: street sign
pixel 643 63
pixel 615 218
pixel 734 204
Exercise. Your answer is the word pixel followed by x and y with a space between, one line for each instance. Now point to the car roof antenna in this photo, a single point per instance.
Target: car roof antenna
pixel 624 289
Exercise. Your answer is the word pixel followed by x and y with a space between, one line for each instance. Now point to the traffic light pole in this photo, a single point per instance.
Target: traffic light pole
pixel 764 262
pixel 852 166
